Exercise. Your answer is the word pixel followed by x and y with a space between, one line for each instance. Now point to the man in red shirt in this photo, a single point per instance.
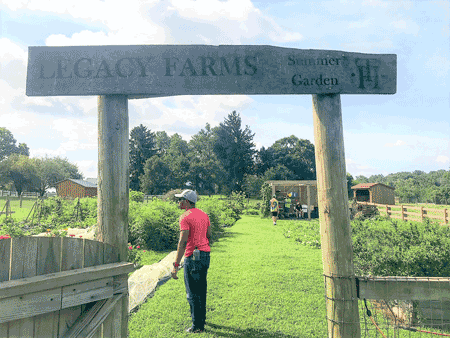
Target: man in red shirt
pixel 195 234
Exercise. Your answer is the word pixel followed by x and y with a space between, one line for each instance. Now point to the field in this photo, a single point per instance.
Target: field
pixel 19 214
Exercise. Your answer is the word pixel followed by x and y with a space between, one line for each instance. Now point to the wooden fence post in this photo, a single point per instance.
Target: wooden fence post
pixel 113 176
pixel 445 216
pixel 403 215
pixel 337 252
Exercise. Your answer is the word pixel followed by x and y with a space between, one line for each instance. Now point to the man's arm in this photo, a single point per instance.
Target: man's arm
pixel 184 235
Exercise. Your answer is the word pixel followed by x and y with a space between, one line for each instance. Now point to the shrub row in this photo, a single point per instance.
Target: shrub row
pixel 388 247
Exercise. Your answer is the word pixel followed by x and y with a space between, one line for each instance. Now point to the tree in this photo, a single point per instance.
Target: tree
pixel 142 146
pixel 295 154
pixel 279 173
pixel 52 170
pixel 8 145
pixel 162 141
pixel 234 148
pixel 19 170
pixel 157 176
pixel 177 156
pixel 205 170
pixel 350 184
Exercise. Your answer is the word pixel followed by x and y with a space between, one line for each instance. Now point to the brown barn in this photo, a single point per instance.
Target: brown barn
pixel 374 193
pixel 71 188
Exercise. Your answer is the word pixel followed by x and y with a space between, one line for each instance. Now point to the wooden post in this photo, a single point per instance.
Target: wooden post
pixel 445 216
pixel 308 196
pixel 403 215
pixel 113 176
pixel 421 213
pixel 337 253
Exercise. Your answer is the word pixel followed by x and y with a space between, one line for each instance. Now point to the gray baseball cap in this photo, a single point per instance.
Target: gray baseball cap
pixel 190 195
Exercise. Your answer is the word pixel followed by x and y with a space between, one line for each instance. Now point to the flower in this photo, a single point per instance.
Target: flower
pixel 138 246
pixel 71 235
pixel 144 250
pixel 130 247
pixel 48 229
pixel 81 236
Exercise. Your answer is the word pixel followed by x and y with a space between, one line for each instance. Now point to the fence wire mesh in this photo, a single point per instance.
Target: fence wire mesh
pixel 392 314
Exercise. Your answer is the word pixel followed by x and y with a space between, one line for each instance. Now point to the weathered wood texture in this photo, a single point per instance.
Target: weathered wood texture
pixel 337 253
pixel 46 282
pixel 164 70
pixel 113 177
pixel 113 172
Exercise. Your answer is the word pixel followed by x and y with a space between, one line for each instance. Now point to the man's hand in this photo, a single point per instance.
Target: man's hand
pixel 174 273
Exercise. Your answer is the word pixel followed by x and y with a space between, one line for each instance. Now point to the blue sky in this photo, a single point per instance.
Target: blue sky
pixel 383 134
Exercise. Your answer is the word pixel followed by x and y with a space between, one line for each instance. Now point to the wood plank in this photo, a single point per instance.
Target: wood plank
pixel 5 252
pixel 23 257
pixel 89 330
pixel 23 265
pixel 112 324
pixel 48 255
pixel 93 253
pixel 4 330
pixel 29 305
pixel 21 328
pixel 121 283
pixel 83 320
pixel 67 317
pixel 87 292
pixel 46 325
pixel 72 253
pixel 404 288
pixel 61 279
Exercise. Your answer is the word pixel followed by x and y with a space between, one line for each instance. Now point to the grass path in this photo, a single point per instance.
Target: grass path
pixel 260 284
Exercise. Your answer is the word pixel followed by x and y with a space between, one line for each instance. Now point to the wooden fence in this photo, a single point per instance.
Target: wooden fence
pixel 56 287
pixel 428 296
pixel 408 213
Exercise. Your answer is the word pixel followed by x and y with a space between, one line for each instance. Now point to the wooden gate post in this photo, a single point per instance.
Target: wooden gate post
pixel 337 252
pixel 113 176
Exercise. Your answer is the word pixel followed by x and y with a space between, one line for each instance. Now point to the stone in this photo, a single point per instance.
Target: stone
pixel 144 71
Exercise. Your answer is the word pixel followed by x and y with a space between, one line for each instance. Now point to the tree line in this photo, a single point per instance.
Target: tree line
pixel 216 160
pixel 21 173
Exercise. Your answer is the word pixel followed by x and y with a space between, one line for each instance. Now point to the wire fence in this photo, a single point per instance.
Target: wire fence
pixel 394 307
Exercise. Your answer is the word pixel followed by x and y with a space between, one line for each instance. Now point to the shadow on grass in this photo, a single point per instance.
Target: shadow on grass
pixel 243 333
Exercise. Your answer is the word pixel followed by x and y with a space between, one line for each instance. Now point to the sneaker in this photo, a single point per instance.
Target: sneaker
pixel 192 330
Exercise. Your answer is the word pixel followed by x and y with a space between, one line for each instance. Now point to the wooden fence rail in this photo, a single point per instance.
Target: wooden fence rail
pixel 429 296
pixel 48 283
pixel 406 214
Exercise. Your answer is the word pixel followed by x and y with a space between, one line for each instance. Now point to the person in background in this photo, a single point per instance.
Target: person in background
pixel 298 210
pixel 287 204
pixel 194 243
pixel 274 209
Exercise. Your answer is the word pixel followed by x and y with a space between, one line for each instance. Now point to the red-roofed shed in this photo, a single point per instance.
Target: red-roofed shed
pixel 374 193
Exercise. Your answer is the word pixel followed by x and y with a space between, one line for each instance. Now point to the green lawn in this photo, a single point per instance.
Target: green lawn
pixel 20 213
pixel 260 284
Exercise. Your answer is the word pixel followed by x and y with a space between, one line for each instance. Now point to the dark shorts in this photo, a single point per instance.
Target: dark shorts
pixel 275 213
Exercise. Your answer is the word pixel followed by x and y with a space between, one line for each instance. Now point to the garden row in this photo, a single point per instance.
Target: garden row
pixel 152 226
pixel 388 247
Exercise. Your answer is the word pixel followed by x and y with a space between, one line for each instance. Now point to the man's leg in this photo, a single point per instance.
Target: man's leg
pixel 205 259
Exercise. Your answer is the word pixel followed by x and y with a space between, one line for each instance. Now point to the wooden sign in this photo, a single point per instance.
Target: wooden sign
pixel 164 70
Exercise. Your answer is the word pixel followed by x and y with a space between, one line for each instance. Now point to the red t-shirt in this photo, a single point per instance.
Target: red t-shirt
pixel 197 222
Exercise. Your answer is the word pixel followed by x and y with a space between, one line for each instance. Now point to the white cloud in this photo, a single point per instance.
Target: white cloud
pixel 396 144
pixel 442 159
pixel 407 26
